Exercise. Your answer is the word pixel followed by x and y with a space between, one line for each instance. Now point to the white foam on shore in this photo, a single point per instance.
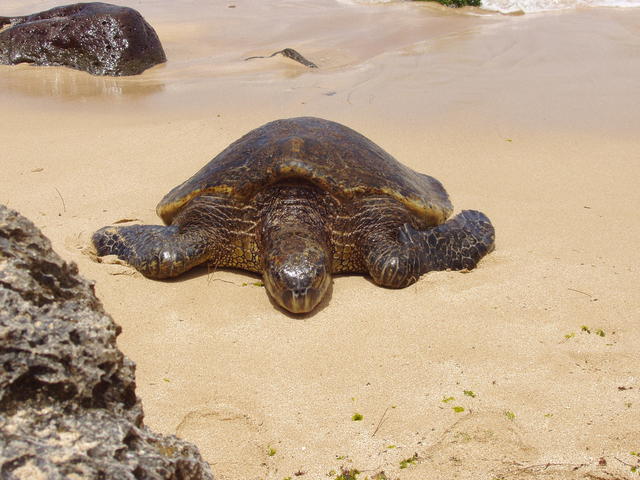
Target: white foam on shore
pixel 532 6
pixel 528 6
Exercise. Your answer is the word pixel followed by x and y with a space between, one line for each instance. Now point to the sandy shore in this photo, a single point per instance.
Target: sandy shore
pixel 532 119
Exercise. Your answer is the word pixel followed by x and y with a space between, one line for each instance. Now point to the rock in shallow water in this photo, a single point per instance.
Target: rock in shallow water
pixel 68 407
pixel 98 38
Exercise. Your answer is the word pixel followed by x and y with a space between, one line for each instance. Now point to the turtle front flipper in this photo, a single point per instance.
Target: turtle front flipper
pixel 458 244
pixel 398 260
pixel 155 251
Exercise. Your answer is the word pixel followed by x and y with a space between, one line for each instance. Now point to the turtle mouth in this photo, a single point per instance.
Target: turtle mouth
pixel 297 293
pixel 300 301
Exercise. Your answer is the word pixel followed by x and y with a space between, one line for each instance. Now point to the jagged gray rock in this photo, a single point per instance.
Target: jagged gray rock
pixel 99 38
pixel 68 407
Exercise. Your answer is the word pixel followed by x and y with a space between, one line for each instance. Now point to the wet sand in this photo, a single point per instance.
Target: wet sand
pixel 532 119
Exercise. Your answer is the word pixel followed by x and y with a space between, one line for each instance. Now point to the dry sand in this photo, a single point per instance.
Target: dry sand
pixel 533 119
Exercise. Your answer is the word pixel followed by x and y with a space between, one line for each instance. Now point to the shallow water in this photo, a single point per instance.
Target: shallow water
pixel 448 56
pixel 207 43
pixel 463 62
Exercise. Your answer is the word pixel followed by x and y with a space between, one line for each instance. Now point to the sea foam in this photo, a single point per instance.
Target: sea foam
pixel 527 6
pixel 531 6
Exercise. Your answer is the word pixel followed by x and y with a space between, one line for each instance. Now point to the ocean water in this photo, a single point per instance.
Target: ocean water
pixel 531 6
pixel 354 42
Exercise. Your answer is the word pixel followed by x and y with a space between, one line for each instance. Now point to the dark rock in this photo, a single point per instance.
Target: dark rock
pixel 68 407
pixel 289 53
pixel 98 38
pixel 457 3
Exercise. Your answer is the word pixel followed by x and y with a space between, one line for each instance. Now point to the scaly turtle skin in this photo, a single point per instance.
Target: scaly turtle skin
pixel 298 200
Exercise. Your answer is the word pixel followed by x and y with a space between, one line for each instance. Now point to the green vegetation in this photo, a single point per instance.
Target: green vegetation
pixel 635 468
pixel 586 329
pixel 447 399
pixel 458 409
pixel 380 476
pixel 457 3
pixel 510 415
pixel 469 393
pixel 409 461
pixel 271 451
pixel 357 417
pixel 348 474
pixel 353 475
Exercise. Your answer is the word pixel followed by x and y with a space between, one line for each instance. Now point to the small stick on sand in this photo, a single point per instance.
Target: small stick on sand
pixel 64 207
pixel 380 422
pixel 580 291
pixel 289 53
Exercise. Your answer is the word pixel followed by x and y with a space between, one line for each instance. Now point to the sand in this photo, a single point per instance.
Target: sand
pixel 526 367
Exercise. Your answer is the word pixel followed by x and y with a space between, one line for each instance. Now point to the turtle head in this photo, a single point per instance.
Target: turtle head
pixel 298 275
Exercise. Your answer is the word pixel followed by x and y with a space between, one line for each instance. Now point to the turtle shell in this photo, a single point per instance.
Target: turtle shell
pixel 327 154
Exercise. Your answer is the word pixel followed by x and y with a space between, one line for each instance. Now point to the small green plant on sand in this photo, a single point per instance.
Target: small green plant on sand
pixel 448 399
pixel 357 417
pixel 470 393
pixel 510 415
pixel 458 409
pixel 635 468
pixel 271 451
pixel 348 474
pixel 354 474
pixel 380 476
pixel 586 329
pixel 409 461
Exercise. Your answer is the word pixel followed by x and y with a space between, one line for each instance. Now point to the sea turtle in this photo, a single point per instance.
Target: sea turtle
pixel 299 200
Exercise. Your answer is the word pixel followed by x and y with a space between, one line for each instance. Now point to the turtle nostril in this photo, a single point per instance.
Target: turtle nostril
pixel 299 292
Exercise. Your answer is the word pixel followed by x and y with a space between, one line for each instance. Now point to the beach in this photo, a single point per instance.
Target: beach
pixel 525 367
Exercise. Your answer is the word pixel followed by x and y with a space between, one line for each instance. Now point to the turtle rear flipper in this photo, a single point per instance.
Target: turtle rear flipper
pixel 458 244
pixel 154 250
